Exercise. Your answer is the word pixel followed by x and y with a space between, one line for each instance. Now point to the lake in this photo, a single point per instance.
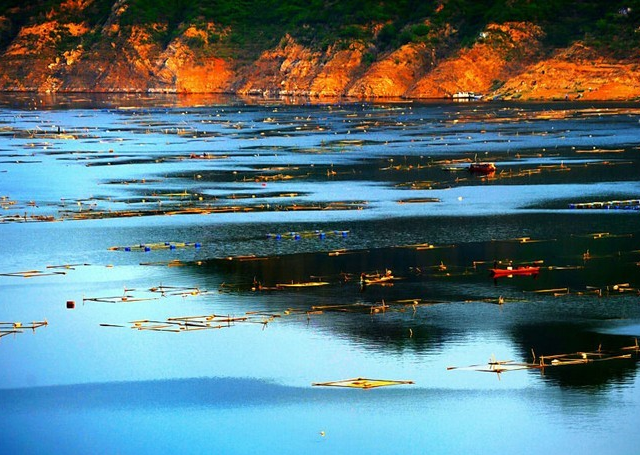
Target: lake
pixel 186 274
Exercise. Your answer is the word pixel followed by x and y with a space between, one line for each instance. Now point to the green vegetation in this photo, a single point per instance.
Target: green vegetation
pixel 259 24
pixel 255 25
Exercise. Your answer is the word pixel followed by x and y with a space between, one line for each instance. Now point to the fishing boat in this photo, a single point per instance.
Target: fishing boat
pixel 525 270
pixel 466 96
pixel 377 278
pixel 482 168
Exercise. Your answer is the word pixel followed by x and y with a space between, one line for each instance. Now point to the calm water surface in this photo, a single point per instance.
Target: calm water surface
pixel 255 195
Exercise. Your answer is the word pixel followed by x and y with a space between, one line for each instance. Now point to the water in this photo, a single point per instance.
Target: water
pixel 277 193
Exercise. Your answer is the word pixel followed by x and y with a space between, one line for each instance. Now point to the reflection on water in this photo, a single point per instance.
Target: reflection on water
pixel 282 197
pixel 203 415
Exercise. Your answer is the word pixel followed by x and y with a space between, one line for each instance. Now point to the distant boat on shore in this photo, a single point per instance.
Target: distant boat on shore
pixel 466 96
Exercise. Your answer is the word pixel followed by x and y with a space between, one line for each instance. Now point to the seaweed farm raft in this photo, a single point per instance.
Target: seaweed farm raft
pixel 156 246
pixel 629 204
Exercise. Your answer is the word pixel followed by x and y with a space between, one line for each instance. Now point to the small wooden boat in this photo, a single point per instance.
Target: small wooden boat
pixel 377 278
pixel 525 270
pixel 482 168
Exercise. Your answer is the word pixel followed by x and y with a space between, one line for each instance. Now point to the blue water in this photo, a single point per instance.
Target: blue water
pixel 125 171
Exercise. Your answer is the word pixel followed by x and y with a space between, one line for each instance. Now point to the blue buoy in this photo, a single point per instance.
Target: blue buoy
pixel 146 248
pixel 172 247
pixel 198 245
pixel 278 236
pixel 127 248
pixel 321 235
pixel 296 236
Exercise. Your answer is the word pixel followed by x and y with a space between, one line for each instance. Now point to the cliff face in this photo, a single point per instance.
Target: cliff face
pixel 575 73
pixel 61 52
pixel 393 74
pixel 501 52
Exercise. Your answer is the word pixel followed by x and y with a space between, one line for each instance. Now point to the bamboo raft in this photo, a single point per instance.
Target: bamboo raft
pixel 294 235
pixel 362 383
pixel 628 204
pixel 8 328
pixel 156 246
pixel 32 273
pixel 180 324
pixel 555 360
pixel 306 284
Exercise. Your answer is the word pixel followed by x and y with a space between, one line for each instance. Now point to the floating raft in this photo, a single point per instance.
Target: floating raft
pixel 629 204
pixel 362 383
pixel 156 246
pixel 31 273
pixel 293 235
pixel 193 323
pixel 308 284
pixel 8 328
pixel 163 290
pixel 187 323
pixel 419 200
pixel 556 360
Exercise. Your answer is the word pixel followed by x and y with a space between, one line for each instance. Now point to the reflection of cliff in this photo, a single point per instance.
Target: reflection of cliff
pixel 66 51
pixel 561 338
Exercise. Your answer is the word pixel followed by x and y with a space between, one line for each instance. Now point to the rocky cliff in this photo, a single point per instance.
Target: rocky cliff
pixel 64 51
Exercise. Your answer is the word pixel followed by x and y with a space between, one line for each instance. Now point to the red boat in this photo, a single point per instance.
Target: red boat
pixel 482 168
pixel 526 270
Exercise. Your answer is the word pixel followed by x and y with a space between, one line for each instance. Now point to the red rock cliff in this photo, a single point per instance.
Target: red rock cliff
pixel 506 60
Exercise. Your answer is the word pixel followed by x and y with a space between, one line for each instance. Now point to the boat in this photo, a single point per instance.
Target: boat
pixel 525 270
pixel 482 168
pixel 377 278
pixel 465 96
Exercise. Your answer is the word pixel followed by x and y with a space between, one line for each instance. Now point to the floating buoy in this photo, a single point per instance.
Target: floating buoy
pixel 71 304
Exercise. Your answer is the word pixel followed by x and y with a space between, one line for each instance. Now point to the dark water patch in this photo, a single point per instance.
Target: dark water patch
pixel 562 337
